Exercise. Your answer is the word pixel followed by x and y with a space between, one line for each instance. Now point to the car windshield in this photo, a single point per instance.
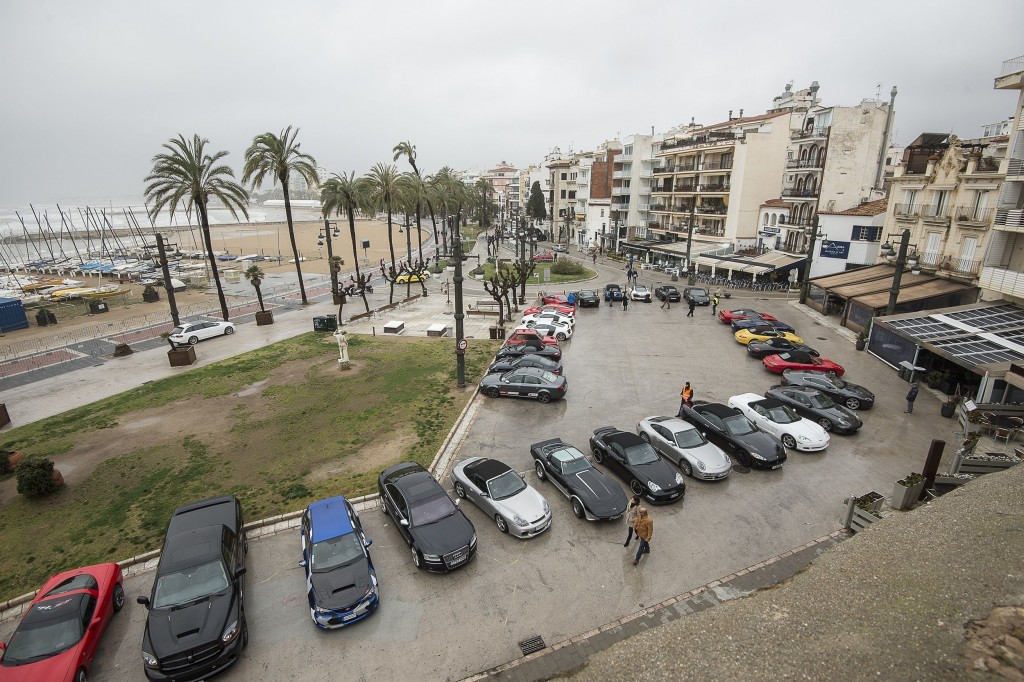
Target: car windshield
pixel 337 551
pixel 548 377
pixel 782 414
pixel 432 509
pixel 820 401
pixel 52 626
pixel 571 461
pixel 835 381
pixel 190 584
pixel 698 292
pixel 505 485
pixel 177 330
pixel 641 453
pixel 690 438
pixel 587 293
pixel 738 425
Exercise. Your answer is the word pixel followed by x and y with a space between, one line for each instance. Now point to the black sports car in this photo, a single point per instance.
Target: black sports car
pixel 525 382
pixel 730 430
pixel 818 407
pixel 776 325
pixel 587 298
pixel 529 348
pixel 612 292
pixel 667 291
pixel 698 295
pixel 634 460
pixel 593 495
pixel 843 392
pixel 760 349
pixel 439 534
pixel 509 364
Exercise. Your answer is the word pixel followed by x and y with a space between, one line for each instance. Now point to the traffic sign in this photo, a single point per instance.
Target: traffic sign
pixel 463 344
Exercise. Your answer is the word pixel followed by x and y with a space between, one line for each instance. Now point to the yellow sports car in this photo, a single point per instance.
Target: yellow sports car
pixel 412 277
pixel 745 336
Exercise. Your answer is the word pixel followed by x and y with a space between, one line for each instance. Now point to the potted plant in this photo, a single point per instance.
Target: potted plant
pixel 150 294
pixel 934 378
pixel 862 340
pixel 948 408
pixel 255 276
pixel 907 491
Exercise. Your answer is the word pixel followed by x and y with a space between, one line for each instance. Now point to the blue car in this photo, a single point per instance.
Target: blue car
pixel 612 292
pixel 340 580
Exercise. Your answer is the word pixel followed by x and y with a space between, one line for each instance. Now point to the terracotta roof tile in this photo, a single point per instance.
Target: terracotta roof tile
pixel 867 208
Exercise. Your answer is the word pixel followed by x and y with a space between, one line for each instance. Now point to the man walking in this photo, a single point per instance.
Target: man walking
pixel 693 306
pixel 911 397
pixel 685 398
pixel 625 301
pixel 644 529
pixel 665 303
pixel 714 304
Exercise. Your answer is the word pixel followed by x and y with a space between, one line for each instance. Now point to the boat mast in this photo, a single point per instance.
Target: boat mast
pixel 70 235
pixel 28 239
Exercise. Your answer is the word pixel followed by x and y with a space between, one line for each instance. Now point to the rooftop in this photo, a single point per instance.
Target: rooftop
pixel 868 208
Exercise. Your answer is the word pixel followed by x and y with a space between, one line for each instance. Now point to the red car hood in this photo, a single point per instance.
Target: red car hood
pixel 59 668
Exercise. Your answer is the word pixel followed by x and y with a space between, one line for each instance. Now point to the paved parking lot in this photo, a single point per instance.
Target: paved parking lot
pixel 621 367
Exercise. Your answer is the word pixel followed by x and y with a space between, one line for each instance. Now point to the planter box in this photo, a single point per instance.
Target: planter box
pixel 860 519
pixel 182 357
pixel 264 317
pixel 14 458
pixel 904 497
pixel 985 465
pixel 150 296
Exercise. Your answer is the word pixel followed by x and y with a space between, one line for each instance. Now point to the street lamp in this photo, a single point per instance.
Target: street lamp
pixel 813 234
pixel 901 260
pixel 325 233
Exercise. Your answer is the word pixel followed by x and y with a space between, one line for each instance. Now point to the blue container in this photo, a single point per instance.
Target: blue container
pixel 12 315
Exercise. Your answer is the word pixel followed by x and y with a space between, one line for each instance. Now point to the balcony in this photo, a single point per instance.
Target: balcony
pixel 1006 282
pixel 623 158
pixel 661 189
pixel 1014 168
pixel 686 168
pixel 663 170
pixel 686 188
pixel 659 208
pixel 620 191
pixel 800 193
pixel 620 174
pixel 1010 219
pixel 805 163
pixel 906 211
pixel 798 222
pixel 974 218
pixel 936 215
pixel 712 210
pixel 716 165
pixel 718 188
pixel 809 134
pixel 713 139
pixel 955 267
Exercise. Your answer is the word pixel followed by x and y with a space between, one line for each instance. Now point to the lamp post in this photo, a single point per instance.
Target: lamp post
pixel 901 261
pixel 522 236
pixel 813 234
pixel 326 234
pixel 690 272
pixel 460 357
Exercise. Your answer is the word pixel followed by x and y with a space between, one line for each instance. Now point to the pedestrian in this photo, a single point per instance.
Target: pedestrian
pixel 632 509
pixel 665 303
pixel 685 398
pixel 625 301
pixel 693 306
pixel 645 530
pixel 714 304
pixel 911 397
pixel 595 258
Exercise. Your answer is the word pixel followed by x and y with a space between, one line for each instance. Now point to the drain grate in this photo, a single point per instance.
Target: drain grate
pixel 531 645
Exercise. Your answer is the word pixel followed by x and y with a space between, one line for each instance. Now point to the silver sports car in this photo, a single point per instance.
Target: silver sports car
pixel 503 495
pixel 684 445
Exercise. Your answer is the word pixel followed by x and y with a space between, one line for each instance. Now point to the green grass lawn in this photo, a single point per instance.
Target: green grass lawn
pixel 309 432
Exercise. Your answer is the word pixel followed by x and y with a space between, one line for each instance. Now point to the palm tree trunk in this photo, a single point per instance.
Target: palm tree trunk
pixel 355 255
pixel 433 221
pixel 291 235
pixel 391 246
pixel 205 222
pixel 259 297
pixel 444 231
pixel 408 255
pixel 419 231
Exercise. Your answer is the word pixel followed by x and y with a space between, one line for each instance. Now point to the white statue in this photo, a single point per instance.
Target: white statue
pixel 343 361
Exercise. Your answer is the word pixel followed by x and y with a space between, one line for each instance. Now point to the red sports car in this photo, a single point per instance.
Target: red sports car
pixel 728 316
pixel 544 257
pixel 526 335
pixel 57 638
pixel 552 308
pixel 557 299
pixel 800 360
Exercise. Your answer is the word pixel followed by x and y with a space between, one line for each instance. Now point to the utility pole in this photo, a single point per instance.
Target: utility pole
pixel 522 236
pixel 460 341
pixel 330 258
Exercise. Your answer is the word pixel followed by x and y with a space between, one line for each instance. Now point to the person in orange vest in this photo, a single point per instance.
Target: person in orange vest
pixel 687 398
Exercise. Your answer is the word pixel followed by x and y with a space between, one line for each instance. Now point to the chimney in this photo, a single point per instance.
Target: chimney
pixel 730 114
pixel 741 113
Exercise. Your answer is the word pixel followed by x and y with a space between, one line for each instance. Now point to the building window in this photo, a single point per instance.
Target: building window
pixel 628 150
pixel 970 245
pixel 602 212
pixel 765 218
pixel 572 194
pixel 909 197
pixel 866 233
pixel 940 198
pixel 563 194
pixel 773 219
pixel 563 176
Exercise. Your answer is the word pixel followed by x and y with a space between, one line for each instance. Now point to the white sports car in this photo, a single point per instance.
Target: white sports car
pixel 640 293
pixel 503 495
pixel 559 331
pixel 775 417
pixel 548 317
pixel 682 443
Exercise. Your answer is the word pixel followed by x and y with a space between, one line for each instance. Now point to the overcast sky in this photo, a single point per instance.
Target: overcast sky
pixel 93 89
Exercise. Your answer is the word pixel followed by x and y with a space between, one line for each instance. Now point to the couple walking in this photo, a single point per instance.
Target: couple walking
pixel 641 523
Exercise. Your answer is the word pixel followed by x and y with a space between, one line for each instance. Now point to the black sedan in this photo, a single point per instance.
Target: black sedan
pixel 761 325
pixel 438 533
pixel 698 295
pixel 634 460
pixel 593 495
pixel 843 392
pixel 509 364
pixel 759 349
pixel 818 407
pixel 667 291
pixel 612 292
pixel 529 348
pixel 587 298
pixel 730 430
pixel 525 382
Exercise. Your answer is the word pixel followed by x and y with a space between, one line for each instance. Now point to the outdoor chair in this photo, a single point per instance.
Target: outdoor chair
pixel 1005 433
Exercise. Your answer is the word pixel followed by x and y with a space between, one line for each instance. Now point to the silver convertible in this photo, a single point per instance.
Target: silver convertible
pixel 503 495
pixel 685 446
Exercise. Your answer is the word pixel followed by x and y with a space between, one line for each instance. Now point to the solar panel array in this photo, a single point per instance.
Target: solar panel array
pixel 925 328
pixel 977 351
pixel 1015 336
pixel 993 317
pixel 1006 322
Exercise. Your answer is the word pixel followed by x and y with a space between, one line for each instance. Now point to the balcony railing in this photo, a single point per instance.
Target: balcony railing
pixel 906 210
pixel 949 265
pixel 686 167
pixel 1002 280
pixel 1015 167
pixel 721 187
pixel 1012 66
pixel 804 163
pixel 661 188
pixel 1010 217
pixel 813 132
pixel 713 210
pixel 716 165
pixel 685 188
pixel 967 216
pixel 667 168
pixel 935 214
pixel 717 138
pixel 800 193
pixel 797 222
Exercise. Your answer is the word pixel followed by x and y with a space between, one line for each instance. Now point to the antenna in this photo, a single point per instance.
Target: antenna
pixel 878 91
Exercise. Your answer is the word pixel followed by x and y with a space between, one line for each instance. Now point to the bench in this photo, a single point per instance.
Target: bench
pixel 488 307
pixel 394 327
pixel 437 330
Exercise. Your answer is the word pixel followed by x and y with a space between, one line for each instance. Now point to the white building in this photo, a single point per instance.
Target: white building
pixel 850 239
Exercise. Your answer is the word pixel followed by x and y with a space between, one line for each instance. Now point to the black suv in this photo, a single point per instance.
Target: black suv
pixel 667 291
pixel 196 624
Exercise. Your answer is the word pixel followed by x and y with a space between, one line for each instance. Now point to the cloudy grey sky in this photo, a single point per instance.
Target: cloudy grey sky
pixel 92 89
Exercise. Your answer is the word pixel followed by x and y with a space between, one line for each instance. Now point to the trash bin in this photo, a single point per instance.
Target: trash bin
pixel 42 320
pixel 98 307
pixel 50 317
pixel 325 323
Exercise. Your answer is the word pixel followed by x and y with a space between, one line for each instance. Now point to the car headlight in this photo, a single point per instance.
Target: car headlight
pixel 757 456
pixel 547 508
pixel 230 632
pixel 518 520
pixel 149 660
pixel 472 542
pixel 431 557
pixel 654 487
pixel 803 439
pixel 700 465
pixel 679 476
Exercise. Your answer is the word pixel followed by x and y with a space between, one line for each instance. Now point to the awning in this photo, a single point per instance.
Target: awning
pixel 936 287
pixel 878 285
pixel 852 276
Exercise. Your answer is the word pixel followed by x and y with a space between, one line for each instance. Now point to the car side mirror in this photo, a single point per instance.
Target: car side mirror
pixel 367 542
pixel 302 563
pixel 143 600
pixel 403 522
pixel 457 500
pixel 239 572
pixel 483 493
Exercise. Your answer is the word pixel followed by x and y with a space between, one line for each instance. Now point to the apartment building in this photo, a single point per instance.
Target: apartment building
pixel 631 185
pixel 562 194
pixel 1002 273
pixel 849 239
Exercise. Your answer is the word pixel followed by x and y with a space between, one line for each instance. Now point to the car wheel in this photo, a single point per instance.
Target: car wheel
pixel 577 509
pixel 543 397
pixel 744 458
pixel 852 403
pixel 493 392
pixel 825 424
pixel 636 487
pixel 685 467
pixel 560 336
pixel 502 523
pixel 598 455
pixel 193 340
pixel 541 474
pixel 81 677
pixel 245 545
pixel 228 331
pixel 789 441
pixel 118 598
pixel 459 490
pixel 383 507
pixel 417 560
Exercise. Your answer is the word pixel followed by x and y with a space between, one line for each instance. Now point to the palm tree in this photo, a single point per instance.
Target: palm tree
pixel 279 156
pixel 418 192
pixel 485 189
pixel 255 276
pixel 408 150
pixel 439 184
pixel 346 193
pixel 186 176
pixel 382 192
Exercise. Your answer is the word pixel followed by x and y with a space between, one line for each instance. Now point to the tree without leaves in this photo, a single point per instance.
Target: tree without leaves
pixel 522 272
pixel 186 176
pixel 255 276
pixel 344 193
pixel 279 157
pixel 535 207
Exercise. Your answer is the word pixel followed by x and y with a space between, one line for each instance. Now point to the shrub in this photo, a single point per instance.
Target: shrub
pixel 35 477
pixel 567 266
pixel 4 461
